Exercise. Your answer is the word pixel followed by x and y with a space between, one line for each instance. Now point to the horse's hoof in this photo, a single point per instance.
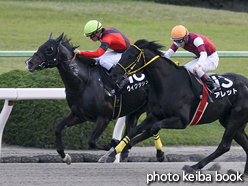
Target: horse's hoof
pixel 110 159
pixel 214 167
pixel 102 159
pixel 124 155
pixel 231 171
pixel 185 167
pixel 189 170
pixel 160 155
pixel 67 159
pixel 244 176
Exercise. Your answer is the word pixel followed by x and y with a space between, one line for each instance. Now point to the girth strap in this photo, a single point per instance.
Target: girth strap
pixel 117 106
pixel 201 107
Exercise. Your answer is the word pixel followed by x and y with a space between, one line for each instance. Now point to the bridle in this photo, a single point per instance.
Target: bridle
pixel 129 69
pixel 49 61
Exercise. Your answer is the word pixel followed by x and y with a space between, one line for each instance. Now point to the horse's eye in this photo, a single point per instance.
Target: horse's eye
pixel 49 50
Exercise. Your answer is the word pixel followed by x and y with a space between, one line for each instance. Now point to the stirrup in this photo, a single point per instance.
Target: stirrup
pixel 210 92
pixel 215 88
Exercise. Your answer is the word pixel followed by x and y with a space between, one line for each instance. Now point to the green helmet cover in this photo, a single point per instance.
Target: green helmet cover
pixel 91 27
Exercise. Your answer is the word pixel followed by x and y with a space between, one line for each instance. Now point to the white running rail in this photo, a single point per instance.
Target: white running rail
pixel 10 94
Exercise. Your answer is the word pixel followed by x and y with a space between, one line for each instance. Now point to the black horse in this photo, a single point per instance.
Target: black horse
pixel 86 94
pixel 173 101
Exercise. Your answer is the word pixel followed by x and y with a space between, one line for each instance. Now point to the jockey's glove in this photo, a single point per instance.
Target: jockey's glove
pixel 76 51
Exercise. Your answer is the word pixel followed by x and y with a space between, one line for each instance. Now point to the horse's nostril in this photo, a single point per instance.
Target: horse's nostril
pixel 30 64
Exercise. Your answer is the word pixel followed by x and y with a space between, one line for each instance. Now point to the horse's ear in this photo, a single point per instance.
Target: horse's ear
pixel 51 36
pixel 59 38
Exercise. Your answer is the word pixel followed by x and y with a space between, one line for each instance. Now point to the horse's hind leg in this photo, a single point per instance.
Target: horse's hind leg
pixel 242 139
pixel 100 126
pixel 223 147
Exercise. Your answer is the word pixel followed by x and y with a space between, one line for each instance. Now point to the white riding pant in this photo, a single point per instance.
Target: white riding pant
pixel 209 64
pixel 108 59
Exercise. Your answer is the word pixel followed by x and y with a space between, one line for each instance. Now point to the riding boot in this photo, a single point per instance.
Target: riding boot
pixel 212 85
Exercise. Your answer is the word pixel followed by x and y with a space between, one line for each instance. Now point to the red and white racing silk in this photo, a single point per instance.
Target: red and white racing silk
pixel 196 46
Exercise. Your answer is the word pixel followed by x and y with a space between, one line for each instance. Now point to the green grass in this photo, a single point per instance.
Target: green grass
pixel 25 25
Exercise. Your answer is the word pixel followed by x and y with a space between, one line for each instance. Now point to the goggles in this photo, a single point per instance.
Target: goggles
pixel 91 35
pixel 179 41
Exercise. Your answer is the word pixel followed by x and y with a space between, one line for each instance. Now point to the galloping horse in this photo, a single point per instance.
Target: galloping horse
pixel 172 100
pixel 86 94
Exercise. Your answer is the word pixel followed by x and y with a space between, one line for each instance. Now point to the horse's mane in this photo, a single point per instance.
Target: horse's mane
pixel 154 47
pixel 66 43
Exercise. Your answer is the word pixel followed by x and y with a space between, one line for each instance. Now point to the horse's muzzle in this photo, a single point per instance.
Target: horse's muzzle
pixel 29 65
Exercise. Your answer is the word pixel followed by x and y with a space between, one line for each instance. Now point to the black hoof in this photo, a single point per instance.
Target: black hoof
pixel 244 176
pixel 190 170
pixel 160 155
pixel 110 159
pixel 124 155
pixel 214 167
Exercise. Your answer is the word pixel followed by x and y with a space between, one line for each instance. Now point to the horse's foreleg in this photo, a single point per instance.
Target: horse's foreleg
pixel 131 122
pixel 145 125
pixel 69 120
pixel 145 135
pixel 132 119
pixel 158 145
pixel 168 123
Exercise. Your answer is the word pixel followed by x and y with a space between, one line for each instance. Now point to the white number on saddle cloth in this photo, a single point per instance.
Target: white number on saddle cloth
pixel 226 84
pixel 136 82
pixel 134 76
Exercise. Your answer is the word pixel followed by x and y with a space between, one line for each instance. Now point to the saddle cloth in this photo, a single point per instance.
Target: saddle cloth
pixel 227 89
pixel 135 82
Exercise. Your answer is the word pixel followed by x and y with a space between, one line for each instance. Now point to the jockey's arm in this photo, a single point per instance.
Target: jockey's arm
pixel 202 58
pixel 93 54
pixel 169 53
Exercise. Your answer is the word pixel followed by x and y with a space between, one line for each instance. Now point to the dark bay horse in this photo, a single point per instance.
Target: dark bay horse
pixel 86 94
pixel 173 102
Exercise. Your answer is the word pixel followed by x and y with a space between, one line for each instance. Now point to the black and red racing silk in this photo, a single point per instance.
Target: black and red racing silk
pixel 110 38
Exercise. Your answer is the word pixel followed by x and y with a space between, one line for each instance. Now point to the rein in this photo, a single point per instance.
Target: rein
pixel 132 65
pixel 74 57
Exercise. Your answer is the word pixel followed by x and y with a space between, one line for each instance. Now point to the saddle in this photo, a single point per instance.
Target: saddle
pixel 197 85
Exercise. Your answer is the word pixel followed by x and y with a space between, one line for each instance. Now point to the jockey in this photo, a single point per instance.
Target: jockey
pixel 109 38
pixel 207 57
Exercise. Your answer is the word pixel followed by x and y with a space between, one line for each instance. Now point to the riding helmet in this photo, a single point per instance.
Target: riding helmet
pixel 91 27
pixel 179 32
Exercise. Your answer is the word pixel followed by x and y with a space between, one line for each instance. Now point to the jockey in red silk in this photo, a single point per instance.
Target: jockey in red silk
pixel 207 57
pixel 109 38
